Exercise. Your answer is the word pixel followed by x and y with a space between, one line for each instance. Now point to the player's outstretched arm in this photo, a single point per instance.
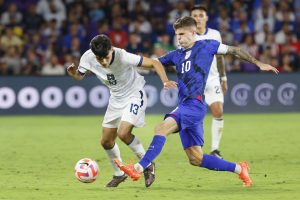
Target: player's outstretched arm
pixel 73 72
pixel 160 70
pixel 241 54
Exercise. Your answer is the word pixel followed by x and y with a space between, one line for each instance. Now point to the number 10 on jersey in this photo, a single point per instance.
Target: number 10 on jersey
pixel 185 66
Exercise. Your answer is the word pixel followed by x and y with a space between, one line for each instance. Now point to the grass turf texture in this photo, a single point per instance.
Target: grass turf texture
pixel 38 154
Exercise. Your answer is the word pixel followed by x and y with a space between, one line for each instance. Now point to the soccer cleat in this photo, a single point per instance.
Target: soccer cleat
pixel 244 175
pixel 129 170
pixel 216 153
pixel 116 180
pixel 149 175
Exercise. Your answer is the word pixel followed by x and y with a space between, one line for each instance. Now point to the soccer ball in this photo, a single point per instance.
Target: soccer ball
pixel 86 170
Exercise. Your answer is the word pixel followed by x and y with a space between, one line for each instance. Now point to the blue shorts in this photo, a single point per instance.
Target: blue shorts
pixel 189 117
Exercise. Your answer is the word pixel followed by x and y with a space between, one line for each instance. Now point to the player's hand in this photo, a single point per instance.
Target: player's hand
pixel 72 70
pixel 224 86
pixel 170 85
pixel 267 67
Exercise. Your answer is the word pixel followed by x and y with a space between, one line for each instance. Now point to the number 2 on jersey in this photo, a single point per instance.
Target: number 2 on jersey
pixel 186 66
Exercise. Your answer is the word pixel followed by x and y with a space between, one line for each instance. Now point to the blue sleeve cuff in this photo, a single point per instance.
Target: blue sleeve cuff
pixel 140 63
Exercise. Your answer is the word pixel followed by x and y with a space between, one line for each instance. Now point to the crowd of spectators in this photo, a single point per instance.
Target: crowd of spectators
pixel 42 37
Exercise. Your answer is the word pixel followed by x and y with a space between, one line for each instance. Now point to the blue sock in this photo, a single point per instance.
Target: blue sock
pixel 217 164
pixel 153 150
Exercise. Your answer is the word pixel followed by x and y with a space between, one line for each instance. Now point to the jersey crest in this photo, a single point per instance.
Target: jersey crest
pixel 188 54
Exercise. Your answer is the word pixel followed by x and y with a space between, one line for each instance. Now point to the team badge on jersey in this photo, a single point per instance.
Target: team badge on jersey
pixel 188 54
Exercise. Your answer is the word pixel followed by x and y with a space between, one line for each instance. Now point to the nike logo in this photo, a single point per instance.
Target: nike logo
pixel 153 167
pixel 85 163
pixel 151 147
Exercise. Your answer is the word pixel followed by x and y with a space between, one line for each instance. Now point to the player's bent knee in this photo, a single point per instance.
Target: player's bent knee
pixel 125 137
pixel 160 130
pixel 195 162
pixel 217 114
pixel 157 129
pixel 107 144
pixel 195 158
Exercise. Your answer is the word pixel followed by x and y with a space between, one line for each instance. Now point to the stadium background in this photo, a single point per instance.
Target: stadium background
pixel 40 38
pixel 43 37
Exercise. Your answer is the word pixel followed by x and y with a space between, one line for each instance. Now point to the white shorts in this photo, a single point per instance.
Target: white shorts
pixel 213 92
pixel 130 109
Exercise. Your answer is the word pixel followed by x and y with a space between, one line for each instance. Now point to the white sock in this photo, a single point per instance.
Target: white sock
pixel 113 154
pixel 138 167
pixel 137 147
pixel 216 133
pixel 238 169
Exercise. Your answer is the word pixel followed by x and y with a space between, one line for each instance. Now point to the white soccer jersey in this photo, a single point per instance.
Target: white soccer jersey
pixel 211 34
pixel 121 77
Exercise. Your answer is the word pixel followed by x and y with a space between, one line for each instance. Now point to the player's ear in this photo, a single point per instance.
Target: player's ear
pixel 194 30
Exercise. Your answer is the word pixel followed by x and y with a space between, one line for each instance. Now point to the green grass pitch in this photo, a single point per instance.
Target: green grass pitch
pixel 38 154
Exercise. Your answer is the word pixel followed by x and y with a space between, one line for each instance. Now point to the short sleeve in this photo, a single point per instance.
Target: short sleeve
pixel 212 46
pixel 84 64
pixel 167 59
pixel 218 36
pixel 131 59
pixel 222 49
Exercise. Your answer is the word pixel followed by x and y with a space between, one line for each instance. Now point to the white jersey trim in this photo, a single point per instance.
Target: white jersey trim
pixel 222 49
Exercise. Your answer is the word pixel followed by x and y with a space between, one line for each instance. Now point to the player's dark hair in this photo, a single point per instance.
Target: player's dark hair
pixel 199 7
pixel 185 21
pixel 100 45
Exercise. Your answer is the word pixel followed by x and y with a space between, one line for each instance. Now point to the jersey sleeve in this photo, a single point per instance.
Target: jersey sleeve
pixel 167 59
pixel 212 46
pixel 216 47
pixel 218 36
pixel 84 64
pixel 223 48
pixel 131 59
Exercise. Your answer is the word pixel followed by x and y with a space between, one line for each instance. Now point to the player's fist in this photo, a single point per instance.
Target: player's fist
pixel 170 85
pixel 71 69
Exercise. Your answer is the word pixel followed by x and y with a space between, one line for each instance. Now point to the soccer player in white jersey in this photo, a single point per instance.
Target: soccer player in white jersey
pixel 117 69
pixel 216 85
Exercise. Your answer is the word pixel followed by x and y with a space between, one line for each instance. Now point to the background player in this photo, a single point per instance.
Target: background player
pixel 193 63
pixel 116 68
pixel 216 85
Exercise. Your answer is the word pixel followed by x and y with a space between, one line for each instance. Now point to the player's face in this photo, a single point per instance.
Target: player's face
pixel 186 36
pixel 105 61
pixel 201 18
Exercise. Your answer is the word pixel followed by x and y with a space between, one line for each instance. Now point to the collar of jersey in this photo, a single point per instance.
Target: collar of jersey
pixel 113 57
pixel 206 30
pixel 185 50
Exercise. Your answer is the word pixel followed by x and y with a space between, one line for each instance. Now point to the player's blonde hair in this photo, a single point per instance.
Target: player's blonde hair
pixel 185 21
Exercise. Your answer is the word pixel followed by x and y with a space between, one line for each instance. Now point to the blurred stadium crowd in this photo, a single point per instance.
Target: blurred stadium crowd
pixel 42 37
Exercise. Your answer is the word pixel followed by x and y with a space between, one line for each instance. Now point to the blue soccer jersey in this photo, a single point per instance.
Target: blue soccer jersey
pixel 192 67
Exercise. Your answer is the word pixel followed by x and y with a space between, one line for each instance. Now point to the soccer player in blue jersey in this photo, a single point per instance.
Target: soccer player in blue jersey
pixel 193 63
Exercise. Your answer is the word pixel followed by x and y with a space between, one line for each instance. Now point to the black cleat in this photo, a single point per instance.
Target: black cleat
pixel 116 180
pixel 149 175
pixel 216 153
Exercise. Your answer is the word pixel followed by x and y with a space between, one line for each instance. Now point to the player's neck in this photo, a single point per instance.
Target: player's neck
pixel 191 45
pixel 201 30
